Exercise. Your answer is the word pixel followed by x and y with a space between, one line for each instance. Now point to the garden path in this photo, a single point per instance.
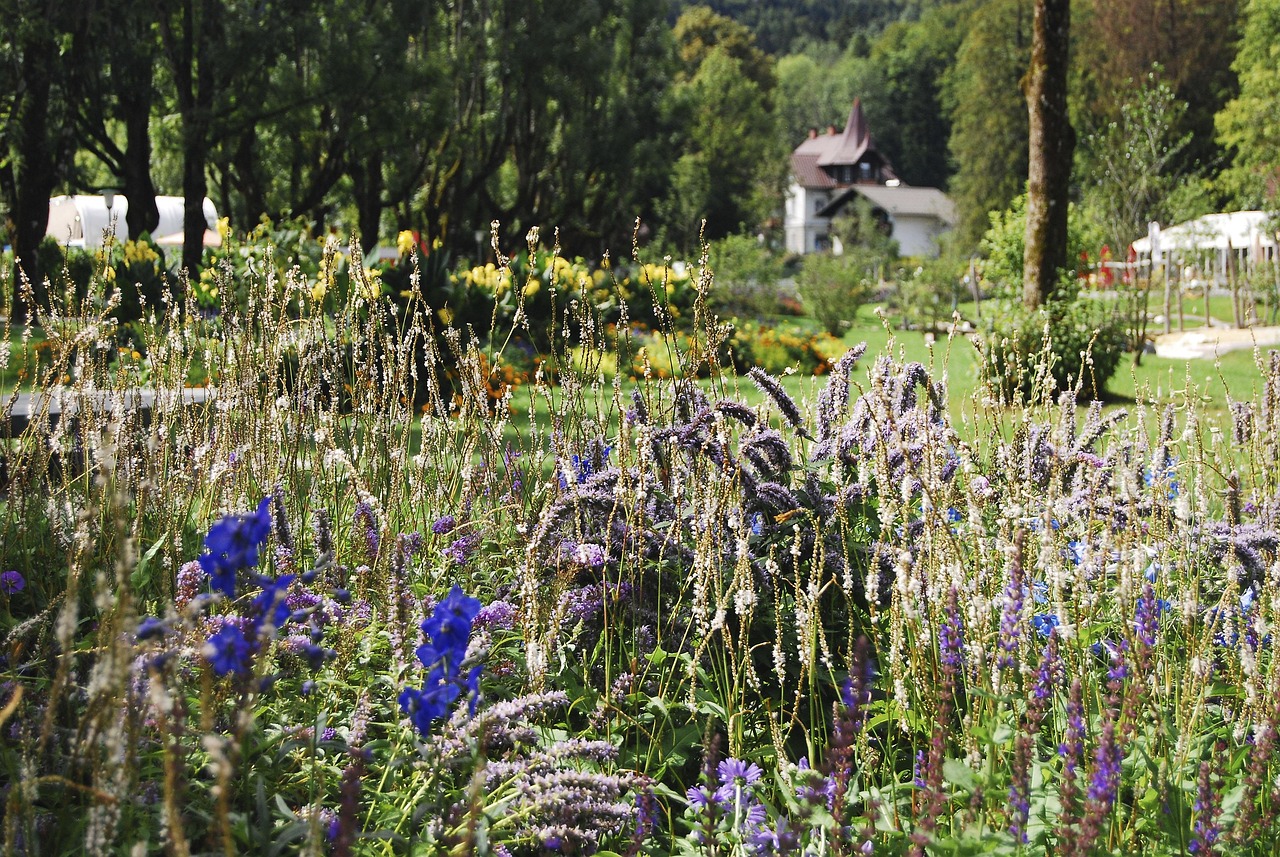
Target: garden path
pixel 1208 342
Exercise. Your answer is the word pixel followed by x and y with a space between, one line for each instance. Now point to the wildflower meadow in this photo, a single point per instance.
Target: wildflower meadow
pixel 552 569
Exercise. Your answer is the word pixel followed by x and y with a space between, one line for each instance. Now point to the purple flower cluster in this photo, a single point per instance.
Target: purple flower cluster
pixel 447 629
pixel 496 616
pixel 367 521
pixel 586 602
pixel 461 549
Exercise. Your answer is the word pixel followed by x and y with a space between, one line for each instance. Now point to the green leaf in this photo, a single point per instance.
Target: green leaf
pixel 141 577
pixel 959 774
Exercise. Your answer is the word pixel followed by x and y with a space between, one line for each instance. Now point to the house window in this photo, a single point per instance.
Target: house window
pixel 864 169
pixel 818 203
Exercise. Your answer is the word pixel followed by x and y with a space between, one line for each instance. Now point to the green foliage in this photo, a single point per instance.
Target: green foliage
pixel 730 172
pixel 815 90
pixel 911 125
pixel 927 295
pixel 981 93
pixel 746 276
pixel 1250 123
pixel 1132 164
pixel 833 287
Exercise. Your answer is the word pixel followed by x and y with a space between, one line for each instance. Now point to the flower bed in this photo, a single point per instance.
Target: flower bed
pixel 312 618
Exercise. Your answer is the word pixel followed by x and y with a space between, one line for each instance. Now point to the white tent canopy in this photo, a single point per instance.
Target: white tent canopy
pixel 1238 230
pixel 82 221
pixel 1209 243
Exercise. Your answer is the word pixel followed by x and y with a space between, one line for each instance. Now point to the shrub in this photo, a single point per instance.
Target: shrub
pixel 929 295
pixel 777 350
pixel 1062 344
pixel 832 288
pixel 746 276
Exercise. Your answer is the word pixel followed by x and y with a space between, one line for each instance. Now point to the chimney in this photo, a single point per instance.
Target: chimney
pixel 831 130
pixel 813 133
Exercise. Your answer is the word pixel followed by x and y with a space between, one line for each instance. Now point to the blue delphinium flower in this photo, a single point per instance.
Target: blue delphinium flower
pixel 272 602
pixel 1044 623
pixel 151 628
pixel 1040 592
pixel 448 629
pixel 228 650
pixel 232 546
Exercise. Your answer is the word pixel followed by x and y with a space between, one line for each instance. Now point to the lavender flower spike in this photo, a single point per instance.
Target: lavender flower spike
pixel 766 384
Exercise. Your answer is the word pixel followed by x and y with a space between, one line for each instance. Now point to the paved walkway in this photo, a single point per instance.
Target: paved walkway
pixel 1206 342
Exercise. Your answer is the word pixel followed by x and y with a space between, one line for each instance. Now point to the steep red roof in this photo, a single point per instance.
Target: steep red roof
pixel 853 143
pixel 804 166
pixel 847 148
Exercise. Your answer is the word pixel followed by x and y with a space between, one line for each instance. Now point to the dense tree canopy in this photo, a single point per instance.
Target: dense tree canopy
pixel 377 117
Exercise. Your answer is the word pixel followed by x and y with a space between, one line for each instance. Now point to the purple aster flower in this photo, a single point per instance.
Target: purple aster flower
pixel 732 771
pixel 444 525
pixel 12 582
pixel 589 555
pixel 698 797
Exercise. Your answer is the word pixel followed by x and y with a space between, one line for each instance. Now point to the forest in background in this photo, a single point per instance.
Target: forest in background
pixel 377 117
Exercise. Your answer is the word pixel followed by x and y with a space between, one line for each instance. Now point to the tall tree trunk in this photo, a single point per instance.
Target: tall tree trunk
pixel 367 184
pixel 1052 143
pixel 136 97
pixel 35 168
pixel 188 54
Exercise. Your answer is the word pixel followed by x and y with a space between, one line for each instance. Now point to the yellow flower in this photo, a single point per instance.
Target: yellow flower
pixel 445 314
pixel 531 287
pixel 224 228
pixel 372 284
pixel 405 242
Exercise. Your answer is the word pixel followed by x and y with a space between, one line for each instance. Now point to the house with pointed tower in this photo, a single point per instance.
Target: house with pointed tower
pixel 831 170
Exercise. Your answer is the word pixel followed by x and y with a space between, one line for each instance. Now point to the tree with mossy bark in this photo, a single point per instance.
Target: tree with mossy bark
pixel 1052 143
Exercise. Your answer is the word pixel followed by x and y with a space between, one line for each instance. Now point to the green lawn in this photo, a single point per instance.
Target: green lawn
pixel 1151 380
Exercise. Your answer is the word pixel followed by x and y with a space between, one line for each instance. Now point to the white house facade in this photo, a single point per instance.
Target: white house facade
pixel 830 170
